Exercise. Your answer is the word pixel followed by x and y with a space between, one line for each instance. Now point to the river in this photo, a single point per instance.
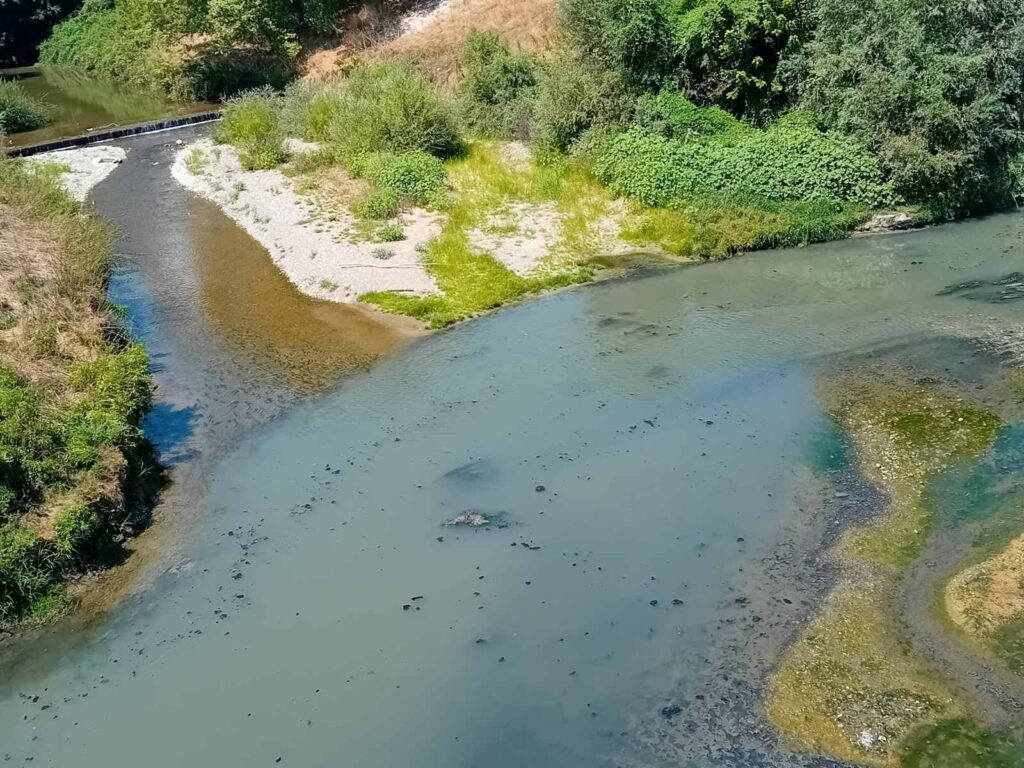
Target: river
pixel 648 449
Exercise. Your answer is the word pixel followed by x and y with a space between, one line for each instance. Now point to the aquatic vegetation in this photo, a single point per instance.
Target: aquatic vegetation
pixel 986 600
pixel 851 686
pixel 959 744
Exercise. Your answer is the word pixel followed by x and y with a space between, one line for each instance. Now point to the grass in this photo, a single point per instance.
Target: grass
pixel 473 282
pixel 18 110
pixel 72 391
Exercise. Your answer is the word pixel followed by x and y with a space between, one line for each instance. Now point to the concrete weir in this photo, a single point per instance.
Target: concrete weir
pixel 115 133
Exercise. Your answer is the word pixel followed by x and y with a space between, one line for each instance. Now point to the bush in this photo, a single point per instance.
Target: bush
pixel 577 96
pixel 730 51
pixel 934 89
pixel 790 161
pixel 499 87
pixel 266 24
pixel 633 38
pixel 413 176
pixel 381 108
pixel 18 110
pixel 251 122
pixel 673 115
pixel 389 233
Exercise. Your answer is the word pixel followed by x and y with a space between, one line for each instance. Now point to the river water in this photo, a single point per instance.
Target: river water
pixel 80 103
pixel 643 447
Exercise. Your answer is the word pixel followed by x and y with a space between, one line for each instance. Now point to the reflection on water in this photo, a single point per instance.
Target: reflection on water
pixel 648 443
pixel 82 103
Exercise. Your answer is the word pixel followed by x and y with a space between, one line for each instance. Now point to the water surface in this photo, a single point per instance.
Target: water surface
pixel 81 103
pixel 643 443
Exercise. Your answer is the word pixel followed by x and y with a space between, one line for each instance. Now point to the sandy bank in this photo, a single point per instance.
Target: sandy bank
pixel 86 166
pixel 317 249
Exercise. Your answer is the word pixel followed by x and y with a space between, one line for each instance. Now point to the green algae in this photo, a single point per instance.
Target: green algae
pixel 959 743
pixel 851 686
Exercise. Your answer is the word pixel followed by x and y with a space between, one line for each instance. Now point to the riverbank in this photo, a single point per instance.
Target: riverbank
pixel 74 388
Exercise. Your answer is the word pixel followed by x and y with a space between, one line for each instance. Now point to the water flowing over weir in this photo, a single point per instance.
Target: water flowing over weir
pixel 645 455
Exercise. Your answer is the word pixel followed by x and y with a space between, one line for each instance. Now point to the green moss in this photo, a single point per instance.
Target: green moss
pixel 1008 643
pixel 959 744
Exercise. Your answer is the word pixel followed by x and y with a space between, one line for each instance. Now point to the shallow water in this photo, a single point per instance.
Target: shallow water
pixel 81 103
pixel 640 441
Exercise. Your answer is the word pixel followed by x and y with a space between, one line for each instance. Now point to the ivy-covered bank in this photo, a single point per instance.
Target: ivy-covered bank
pixel 73 388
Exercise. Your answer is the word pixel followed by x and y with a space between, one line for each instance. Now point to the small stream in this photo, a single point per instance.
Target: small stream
pixel 647 450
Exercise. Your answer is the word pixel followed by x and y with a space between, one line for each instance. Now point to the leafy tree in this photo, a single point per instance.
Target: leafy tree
pixel 24 24
pixel 934 86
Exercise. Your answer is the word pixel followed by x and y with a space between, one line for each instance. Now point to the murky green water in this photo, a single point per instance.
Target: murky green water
pixel 646 445
pixel 81 103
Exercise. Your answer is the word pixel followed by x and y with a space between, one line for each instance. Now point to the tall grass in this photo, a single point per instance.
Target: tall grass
pixel 18 110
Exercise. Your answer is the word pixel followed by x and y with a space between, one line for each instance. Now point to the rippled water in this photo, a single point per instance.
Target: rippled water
pixel 640 444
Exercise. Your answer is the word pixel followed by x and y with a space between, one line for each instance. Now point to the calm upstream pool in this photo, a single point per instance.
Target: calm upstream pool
pixel 648 450
pixel 80 103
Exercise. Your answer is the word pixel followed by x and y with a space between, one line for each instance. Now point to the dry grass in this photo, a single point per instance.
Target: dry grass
pixel 527 24
pixel 48 297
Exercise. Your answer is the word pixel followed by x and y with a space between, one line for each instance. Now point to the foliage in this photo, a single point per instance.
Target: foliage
pixel 26 23
pixel 388 108
pixel 389 233
pixel 792 160
pixel 633 38
pixel 935 89
pixel 268 23
pixel 77 531
pixel 730 50
pixel 413 176
pixel 64 443
pixel 26 571
pixel 498 89
pixel 671 114
pixel 577 97
pixel 18 110
pixel 251 122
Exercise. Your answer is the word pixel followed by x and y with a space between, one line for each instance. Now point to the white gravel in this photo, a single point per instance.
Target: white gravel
pixel 87 166
pixel 314 248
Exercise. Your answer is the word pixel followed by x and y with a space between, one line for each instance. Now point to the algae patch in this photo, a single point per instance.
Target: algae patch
pixel 852 686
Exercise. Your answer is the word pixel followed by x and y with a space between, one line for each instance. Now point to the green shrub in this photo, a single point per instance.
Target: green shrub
pixel 790 161
pixel 673 115
pixel 389 233
pixel 382 108
pixel 267 24
pixel 729 52
pixel 79 531
pixel 499 87
pixel 633 38
pixel 577 96
pixel 251 122
pixel 18 110
pixel 379 205
pixel 412 176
